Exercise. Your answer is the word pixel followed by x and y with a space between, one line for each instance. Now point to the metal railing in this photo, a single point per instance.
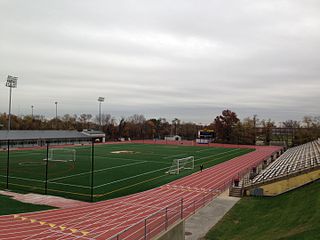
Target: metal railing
pixel 160 221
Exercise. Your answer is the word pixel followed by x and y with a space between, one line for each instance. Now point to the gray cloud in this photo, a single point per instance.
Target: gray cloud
pixel 186 59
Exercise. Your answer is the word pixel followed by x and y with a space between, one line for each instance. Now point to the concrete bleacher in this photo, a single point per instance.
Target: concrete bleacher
pixel 292 163
pixel 293 160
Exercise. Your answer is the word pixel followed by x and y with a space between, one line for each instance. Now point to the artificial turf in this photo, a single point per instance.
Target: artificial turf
pixel 291 216
pixel 114 174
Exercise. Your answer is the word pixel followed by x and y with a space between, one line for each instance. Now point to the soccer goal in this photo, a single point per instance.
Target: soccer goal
pixel 181 164
pixel 62 155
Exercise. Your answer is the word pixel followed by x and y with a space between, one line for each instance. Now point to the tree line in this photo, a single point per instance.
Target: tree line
pixel 227 126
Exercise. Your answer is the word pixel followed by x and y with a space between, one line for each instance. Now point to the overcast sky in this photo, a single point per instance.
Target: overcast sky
pixel 168 58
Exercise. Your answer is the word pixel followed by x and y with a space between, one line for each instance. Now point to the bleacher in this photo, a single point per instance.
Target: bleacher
pixel 294 160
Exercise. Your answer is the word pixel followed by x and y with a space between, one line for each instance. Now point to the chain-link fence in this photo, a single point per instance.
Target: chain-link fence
pixel 55 167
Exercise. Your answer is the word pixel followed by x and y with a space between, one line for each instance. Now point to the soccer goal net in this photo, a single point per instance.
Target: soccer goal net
pixel 62 155
pixel 181 164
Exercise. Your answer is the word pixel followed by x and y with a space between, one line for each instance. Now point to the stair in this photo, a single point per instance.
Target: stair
pixel 235 192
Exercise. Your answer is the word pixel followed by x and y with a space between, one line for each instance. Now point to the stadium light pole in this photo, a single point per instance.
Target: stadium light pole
pixel 32 111
pixel 56 103
pixel 11 83
pixel 100 100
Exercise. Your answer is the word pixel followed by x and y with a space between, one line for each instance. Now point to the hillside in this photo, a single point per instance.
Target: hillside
pixel 10 206
pixel 293 215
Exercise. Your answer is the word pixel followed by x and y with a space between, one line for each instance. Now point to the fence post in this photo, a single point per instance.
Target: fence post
pixel 145 229
pixel 166 223
pixel 47 163
pixel 181 208
pixel 92 168
pixel 194 206
pixel 8 158
pixel 203 199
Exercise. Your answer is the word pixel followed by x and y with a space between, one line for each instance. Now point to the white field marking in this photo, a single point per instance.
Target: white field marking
pixel 181 154
pixel 161 169
pixel 206 149
pixel 71 185
pixel 96 171
pixel 217 154
pixel 66 184
pixel 28 179
pixel 26 154
pixel 124 152
pixel 151 153
pixel 124 179
pixel 33 151
pixel 132 160
pixel 120 180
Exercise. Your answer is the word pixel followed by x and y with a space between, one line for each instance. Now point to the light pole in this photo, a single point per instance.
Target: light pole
pixel 32 111
pixel 56 103
pixel 100 100
pixel 11 83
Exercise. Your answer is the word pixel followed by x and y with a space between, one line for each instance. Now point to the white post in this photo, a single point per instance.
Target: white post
pixel 178 166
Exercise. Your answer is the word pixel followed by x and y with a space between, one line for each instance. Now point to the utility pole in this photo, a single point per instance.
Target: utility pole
pixel 255 127
pixel 32 111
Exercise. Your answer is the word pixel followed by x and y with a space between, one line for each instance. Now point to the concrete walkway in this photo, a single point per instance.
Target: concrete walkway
pixel 199 224
pixel 53 201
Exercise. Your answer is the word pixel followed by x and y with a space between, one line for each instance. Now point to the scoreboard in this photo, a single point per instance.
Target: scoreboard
pixel 205 136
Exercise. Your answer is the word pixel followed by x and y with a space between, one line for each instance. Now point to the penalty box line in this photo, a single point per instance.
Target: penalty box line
pixel 136 162
pixel 96 171
pixel 150 179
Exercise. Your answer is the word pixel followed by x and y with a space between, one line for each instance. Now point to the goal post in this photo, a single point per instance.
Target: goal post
pixel 62 155
pixel 180 164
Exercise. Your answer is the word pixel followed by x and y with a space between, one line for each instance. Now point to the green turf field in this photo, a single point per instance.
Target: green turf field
pixel 116 174
pixel 291 216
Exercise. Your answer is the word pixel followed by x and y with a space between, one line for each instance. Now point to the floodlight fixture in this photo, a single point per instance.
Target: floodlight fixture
pixel 11 83
pixel 100 100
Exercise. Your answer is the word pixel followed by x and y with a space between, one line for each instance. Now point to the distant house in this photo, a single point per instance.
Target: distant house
pixel 172 138
pixel 101 136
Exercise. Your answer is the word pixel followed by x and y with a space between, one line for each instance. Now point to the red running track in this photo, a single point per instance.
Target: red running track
pixel 138 216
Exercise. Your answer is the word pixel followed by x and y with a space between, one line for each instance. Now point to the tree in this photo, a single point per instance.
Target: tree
pixel 122 127
pixel 267 126
pixel 150 128
pixel 224 124
pixel 69 122
pixel 175 124
pixel 85 120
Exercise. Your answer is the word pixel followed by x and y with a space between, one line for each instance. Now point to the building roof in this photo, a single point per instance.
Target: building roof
pixel 94 133
pixel 41 134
